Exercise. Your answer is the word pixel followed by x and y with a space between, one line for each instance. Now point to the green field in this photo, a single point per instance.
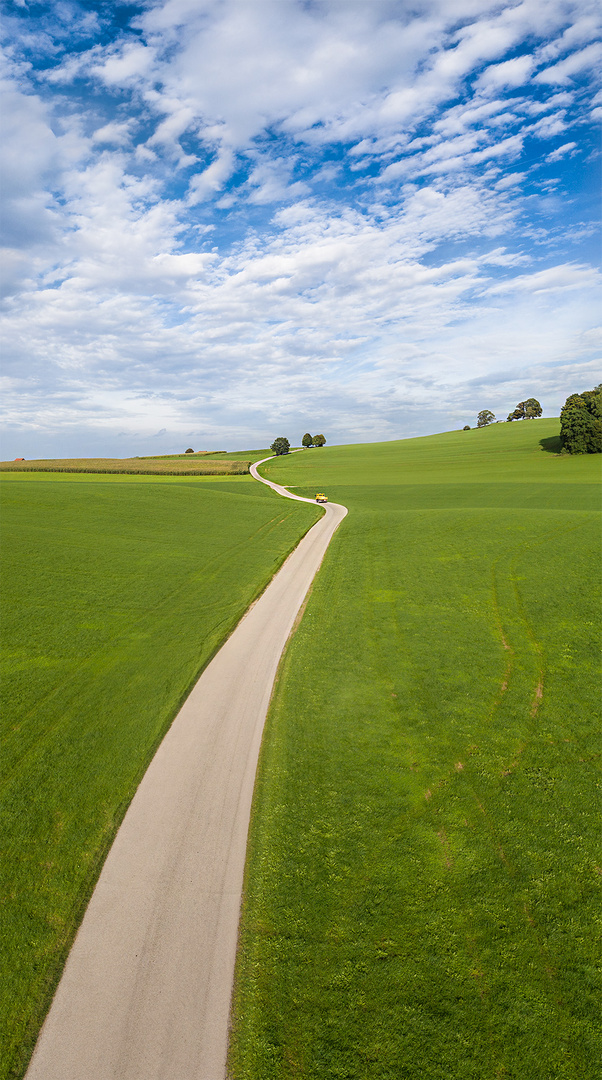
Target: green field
pixel 424 879
pixel 116 593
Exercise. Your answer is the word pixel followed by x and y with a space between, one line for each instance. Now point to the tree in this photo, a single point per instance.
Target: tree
pixel 581 423
pixel 318 440
pixel 526 410
pixel 485 417
pixel 189 451
pixel 280 445
pixel 466 427
pixel 307 439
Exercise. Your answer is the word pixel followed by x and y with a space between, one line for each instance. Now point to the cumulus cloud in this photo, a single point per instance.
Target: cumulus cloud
pixel 117 134
pixel 124 65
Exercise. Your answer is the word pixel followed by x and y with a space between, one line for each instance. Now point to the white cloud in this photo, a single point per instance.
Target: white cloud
pixel 562 73
pixel 557 101
pixel 511 73
pixel 584 27
pixel 270 182
pixel 548 126
pixel 561 151
pixel 461 117
pixel 510 180
pixel 117 134
pixel 205 184
pixel 124 64
pixel 509 147
pixel 567 276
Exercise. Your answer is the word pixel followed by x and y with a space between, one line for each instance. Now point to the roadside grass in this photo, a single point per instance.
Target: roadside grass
pixel 424 876
pixel 116 593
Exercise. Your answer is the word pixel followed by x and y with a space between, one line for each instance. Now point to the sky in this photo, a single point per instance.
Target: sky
pixel 229 220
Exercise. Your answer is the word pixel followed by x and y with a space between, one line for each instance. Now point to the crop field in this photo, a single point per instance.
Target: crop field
pixel 424 879
pixel 175 465
pixel 117 590
pixel 248 456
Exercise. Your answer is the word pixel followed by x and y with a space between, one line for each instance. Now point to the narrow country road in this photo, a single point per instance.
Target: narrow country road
pixel 145 994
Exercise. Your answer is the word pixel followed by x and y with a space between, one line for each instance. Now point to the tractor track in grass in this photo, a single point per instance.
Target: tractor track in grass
pixel 145 993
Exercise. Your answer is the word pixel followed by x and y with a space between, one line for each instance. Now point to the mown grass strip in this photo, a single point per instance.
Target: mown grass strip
pixel 424 873
pixel 116 593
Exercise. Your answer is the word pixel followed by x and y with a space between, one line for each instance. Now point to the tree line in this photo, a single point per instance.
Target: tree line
pixel 580 420
pixel 282 445
pixel 525 410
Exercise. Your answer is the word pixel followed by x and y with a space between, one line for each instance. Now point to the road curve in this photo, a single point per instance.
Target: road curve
pixel 145 994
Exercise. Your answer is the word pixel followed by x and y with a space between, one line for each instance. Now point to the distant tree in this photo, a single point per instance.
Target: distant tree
pixel 318 440
pixel 280 445
pixel 307 439
pixel 581 422
pixel 485 417
pixel 532 409
pixel 526 410
pixel 189 451
pixel 466 427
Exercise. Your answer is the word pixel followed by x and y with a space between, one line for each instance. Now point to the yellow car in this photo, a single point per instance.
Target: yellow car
pixel 320 497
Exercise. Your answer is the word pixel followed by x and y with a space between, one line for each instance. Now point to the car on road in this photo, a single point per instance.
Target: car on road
pixel 320 497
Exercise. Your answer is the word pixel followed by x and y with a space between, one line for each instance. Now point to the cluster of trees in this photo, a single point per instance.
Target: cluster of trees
pixel 526 410
pixel 581 422
pixel 282 445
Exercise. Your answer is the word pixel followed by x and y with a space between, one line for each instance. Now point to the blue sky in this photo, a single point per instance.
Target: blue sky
pixel 227 221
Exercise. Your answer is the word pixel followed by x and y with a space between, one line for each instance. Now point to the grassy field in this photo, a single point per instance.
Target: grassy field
pixel 424 882
pixel 116 593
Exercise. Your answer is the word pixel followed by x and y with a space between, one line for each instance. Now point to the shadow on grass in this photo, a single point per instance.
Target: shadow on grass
pixel 552 445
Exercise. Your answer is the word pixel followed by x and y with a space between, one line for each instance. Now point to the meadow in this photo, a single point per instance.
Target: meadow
pixel 424 877
pixel 117 590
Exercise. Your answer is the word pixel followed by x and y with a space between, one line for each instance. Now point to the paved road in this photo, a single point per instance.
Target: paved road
pixel 145 994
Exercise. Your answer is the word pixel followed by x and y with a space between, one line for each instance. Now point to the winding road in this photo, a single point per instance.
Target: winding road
pixel 145 994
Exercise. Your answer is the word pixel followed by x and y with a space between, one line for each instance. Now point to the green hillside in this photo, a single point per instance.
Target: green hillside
pixel 116 593
pixel 424 880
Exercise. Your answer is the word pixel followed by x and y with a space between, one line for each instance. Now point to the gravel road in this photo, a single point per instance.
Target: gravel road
pixel 145 994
